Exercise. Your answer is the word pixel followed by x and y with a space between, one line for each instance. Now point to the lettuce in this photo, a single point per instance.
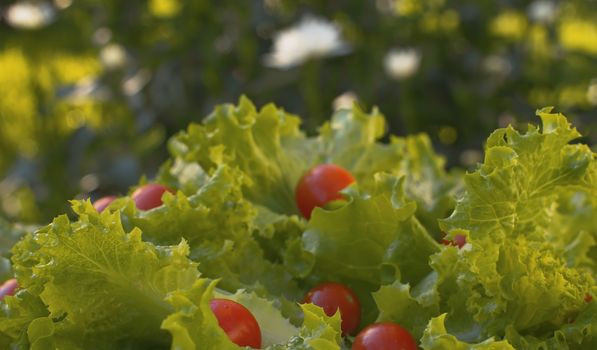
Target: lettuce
pixel 515 283
pixel 522 178
pixel 90 283
pixel 411 309
pixel 426 180
pixel 522 278
pixel 527 267
pixel 318 332
pixel 101 285
pixel 268 146
pixel 437 338
pixel 135 279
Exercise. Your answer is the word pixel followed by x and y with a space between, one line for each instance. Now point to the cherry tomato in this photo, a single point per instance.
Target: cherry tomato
pixel 459 241
pixel 321 185
pixel 384 336
pixel 238 322
pixel 588 298
pixel 9 287
pixel 149 196
pixel 103 203
pixel 333 296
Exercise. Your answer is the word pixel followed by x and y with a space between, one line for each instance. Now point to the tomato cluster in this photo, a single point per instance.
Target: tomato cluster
pixel 242 328
pixel 316 188
pixel 319 186
pixel 335 297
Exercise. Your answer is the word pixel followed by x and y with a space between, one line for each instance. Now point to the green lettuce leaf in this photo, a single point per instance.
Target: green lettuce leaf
pixel 410 309
pixel 488 286
pixel 318 332
pixel 527 213
pixel 371 238
pixel 351 140
pixel 523 175
pixel 267 145
pixel 426 180
pixel 231 238
pixel 437 338
pixel 17 313
pixel 102 286
pixel 315 330
pixel 578 333
pixel 576 222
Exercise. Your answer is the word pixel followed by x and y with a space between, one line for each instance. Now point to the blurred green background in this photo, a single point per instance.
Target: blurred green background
pixel 90 90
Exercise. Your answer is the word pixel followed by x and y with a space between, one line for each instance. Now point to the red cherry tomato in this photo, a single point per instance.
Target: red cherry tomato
pixel 149 196
pixel 103 203
pixel 384 336
pixel 9 287
pixel 458 241
pixel 238 322
pixel 321 185
pixel 333 296
pixel 588 298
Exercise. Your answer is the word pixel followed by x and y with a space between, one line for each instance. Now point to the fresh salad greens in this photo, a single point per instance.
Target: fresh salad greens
pixel 128 278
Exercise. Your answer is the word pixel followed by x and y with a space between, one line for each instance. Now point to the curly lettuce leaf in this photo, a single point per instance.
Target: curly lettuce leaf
pixel 16 314
pixel 578 333
pixel 91 284
pixel 436 337
pixel 267 145
pixel 101 285
pixel 426 180
pixel 231 238
pixel 372 238
pixel 516 283
pixel 576 221
pixel 351 140
pixel 412 309
pixel 523 175
pixel 318 332
pixel 527 215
